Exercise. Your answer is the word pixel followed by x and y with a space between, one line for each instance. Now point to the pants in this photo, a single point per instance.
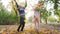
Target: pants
pixel 22 24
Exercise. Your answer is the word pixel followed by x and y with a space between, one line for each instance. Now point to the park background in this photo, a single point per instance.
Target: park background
pixel 49 14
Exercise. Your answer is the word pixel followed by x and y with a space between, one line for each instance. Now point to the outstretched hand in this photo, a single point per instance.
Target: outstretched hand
pixel 25 3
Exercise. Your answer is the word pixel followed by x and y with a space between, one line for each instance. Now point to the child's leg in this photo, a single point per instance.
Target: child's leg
pixel 23 24
pixel 19 28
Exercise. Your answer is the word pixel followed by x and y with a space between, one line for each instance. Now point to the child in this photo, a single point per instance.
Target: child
pixel 22 15
pixel 37 15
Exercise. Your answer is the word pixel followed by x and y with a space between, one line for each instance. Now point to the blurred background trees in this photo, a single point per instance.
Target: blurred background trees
pixel 46 16
pixel 6 17
pixel 55 10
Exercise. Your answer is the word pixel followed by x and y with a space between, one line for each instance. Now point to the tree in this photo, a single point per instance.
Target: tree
pixel 57 12
pixel 44 14
pixel 13 7
pixel 55 3
pixel 6 17
pixel 55 6
pixel 3 14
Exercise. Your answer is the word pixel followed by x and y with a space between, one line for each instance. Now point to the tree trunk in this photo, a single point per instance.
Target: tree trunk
pixel 46 20
pixel 59 19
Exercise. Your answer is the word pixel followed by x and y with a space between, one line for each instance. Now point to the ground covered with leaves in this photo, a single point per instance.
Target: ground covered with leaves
pixel 12 29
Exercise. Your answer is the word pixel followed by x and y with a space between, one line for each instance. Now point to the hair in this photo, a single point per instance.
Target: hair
pixel 37 6
pixel 40 3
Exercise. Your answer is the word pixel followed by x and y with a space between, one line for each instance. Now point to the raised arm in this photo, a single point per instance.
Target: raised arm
pixel 25 3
